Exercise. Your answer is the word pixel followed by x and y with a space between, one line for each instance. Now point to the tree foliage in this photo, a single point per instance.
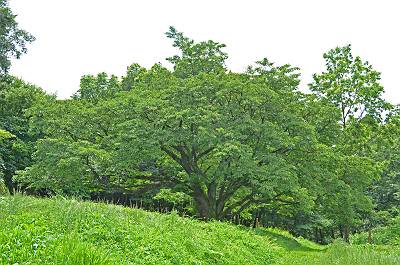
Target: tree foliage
pixel 16 141
pixel 13 40
pixel 350 84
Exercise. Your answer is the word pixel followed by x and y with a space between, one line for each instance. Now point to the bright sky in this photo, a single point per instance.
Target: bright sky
pixel 77 37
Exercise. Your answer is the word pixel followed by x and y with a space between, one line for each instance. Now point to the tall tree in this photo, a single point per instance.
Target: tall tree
pixel 352 85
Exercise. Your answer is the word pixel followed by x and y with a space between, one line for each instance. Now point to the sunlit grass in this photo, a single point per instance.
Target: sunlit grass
pixel 59 231
pixel 72 232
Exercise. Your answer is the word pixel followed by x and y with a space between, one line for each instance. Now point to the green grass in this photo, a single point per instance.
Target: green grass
pixel 61 231
pixel 343 254
pixel 287 241
pixel 301 251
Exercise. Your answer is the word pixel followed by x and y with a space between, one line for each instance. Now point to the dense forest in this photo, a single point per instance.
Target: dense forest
pixel 194 137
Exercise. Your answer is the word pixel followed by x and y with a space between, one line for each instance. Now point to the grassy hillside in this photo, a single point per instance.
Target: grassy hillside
pixel 59 231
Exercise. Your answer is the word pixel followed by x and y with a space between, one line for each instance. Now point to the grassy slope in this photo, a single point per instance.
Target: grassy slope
pixel 58 231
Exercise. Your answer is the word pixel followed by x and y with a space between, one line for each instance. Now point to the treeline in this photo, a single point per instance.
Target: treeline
pixel 208 142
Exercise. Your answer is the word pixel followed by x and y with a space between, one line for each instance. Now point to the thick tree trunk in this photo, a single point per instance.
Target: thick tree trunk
pixel 220 208
pixel 201 202
pixel 207 204
pixel 212 200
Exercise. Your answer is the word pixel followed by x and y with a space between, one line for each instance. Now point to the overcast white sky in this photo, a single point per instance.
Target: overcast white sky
pixel 77 37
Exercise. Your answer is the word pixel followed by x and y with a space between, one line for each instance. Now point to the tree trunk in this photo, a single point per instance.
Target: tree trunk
pixel 212 200
pixel 201 202
pixel 321 236
pixel 207 203
pixel 346 233
pixel 8 182
pixel 341 231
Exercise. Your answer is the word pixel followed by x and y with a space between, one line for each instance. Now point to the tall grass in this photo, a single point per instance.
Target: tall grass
pixel 72 232
pixel 59 231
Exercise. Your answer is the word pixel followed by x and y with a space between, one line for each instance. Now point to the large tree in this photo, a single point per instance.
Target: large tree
pixel 231 141
pixel 234 138
pixel 228 140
